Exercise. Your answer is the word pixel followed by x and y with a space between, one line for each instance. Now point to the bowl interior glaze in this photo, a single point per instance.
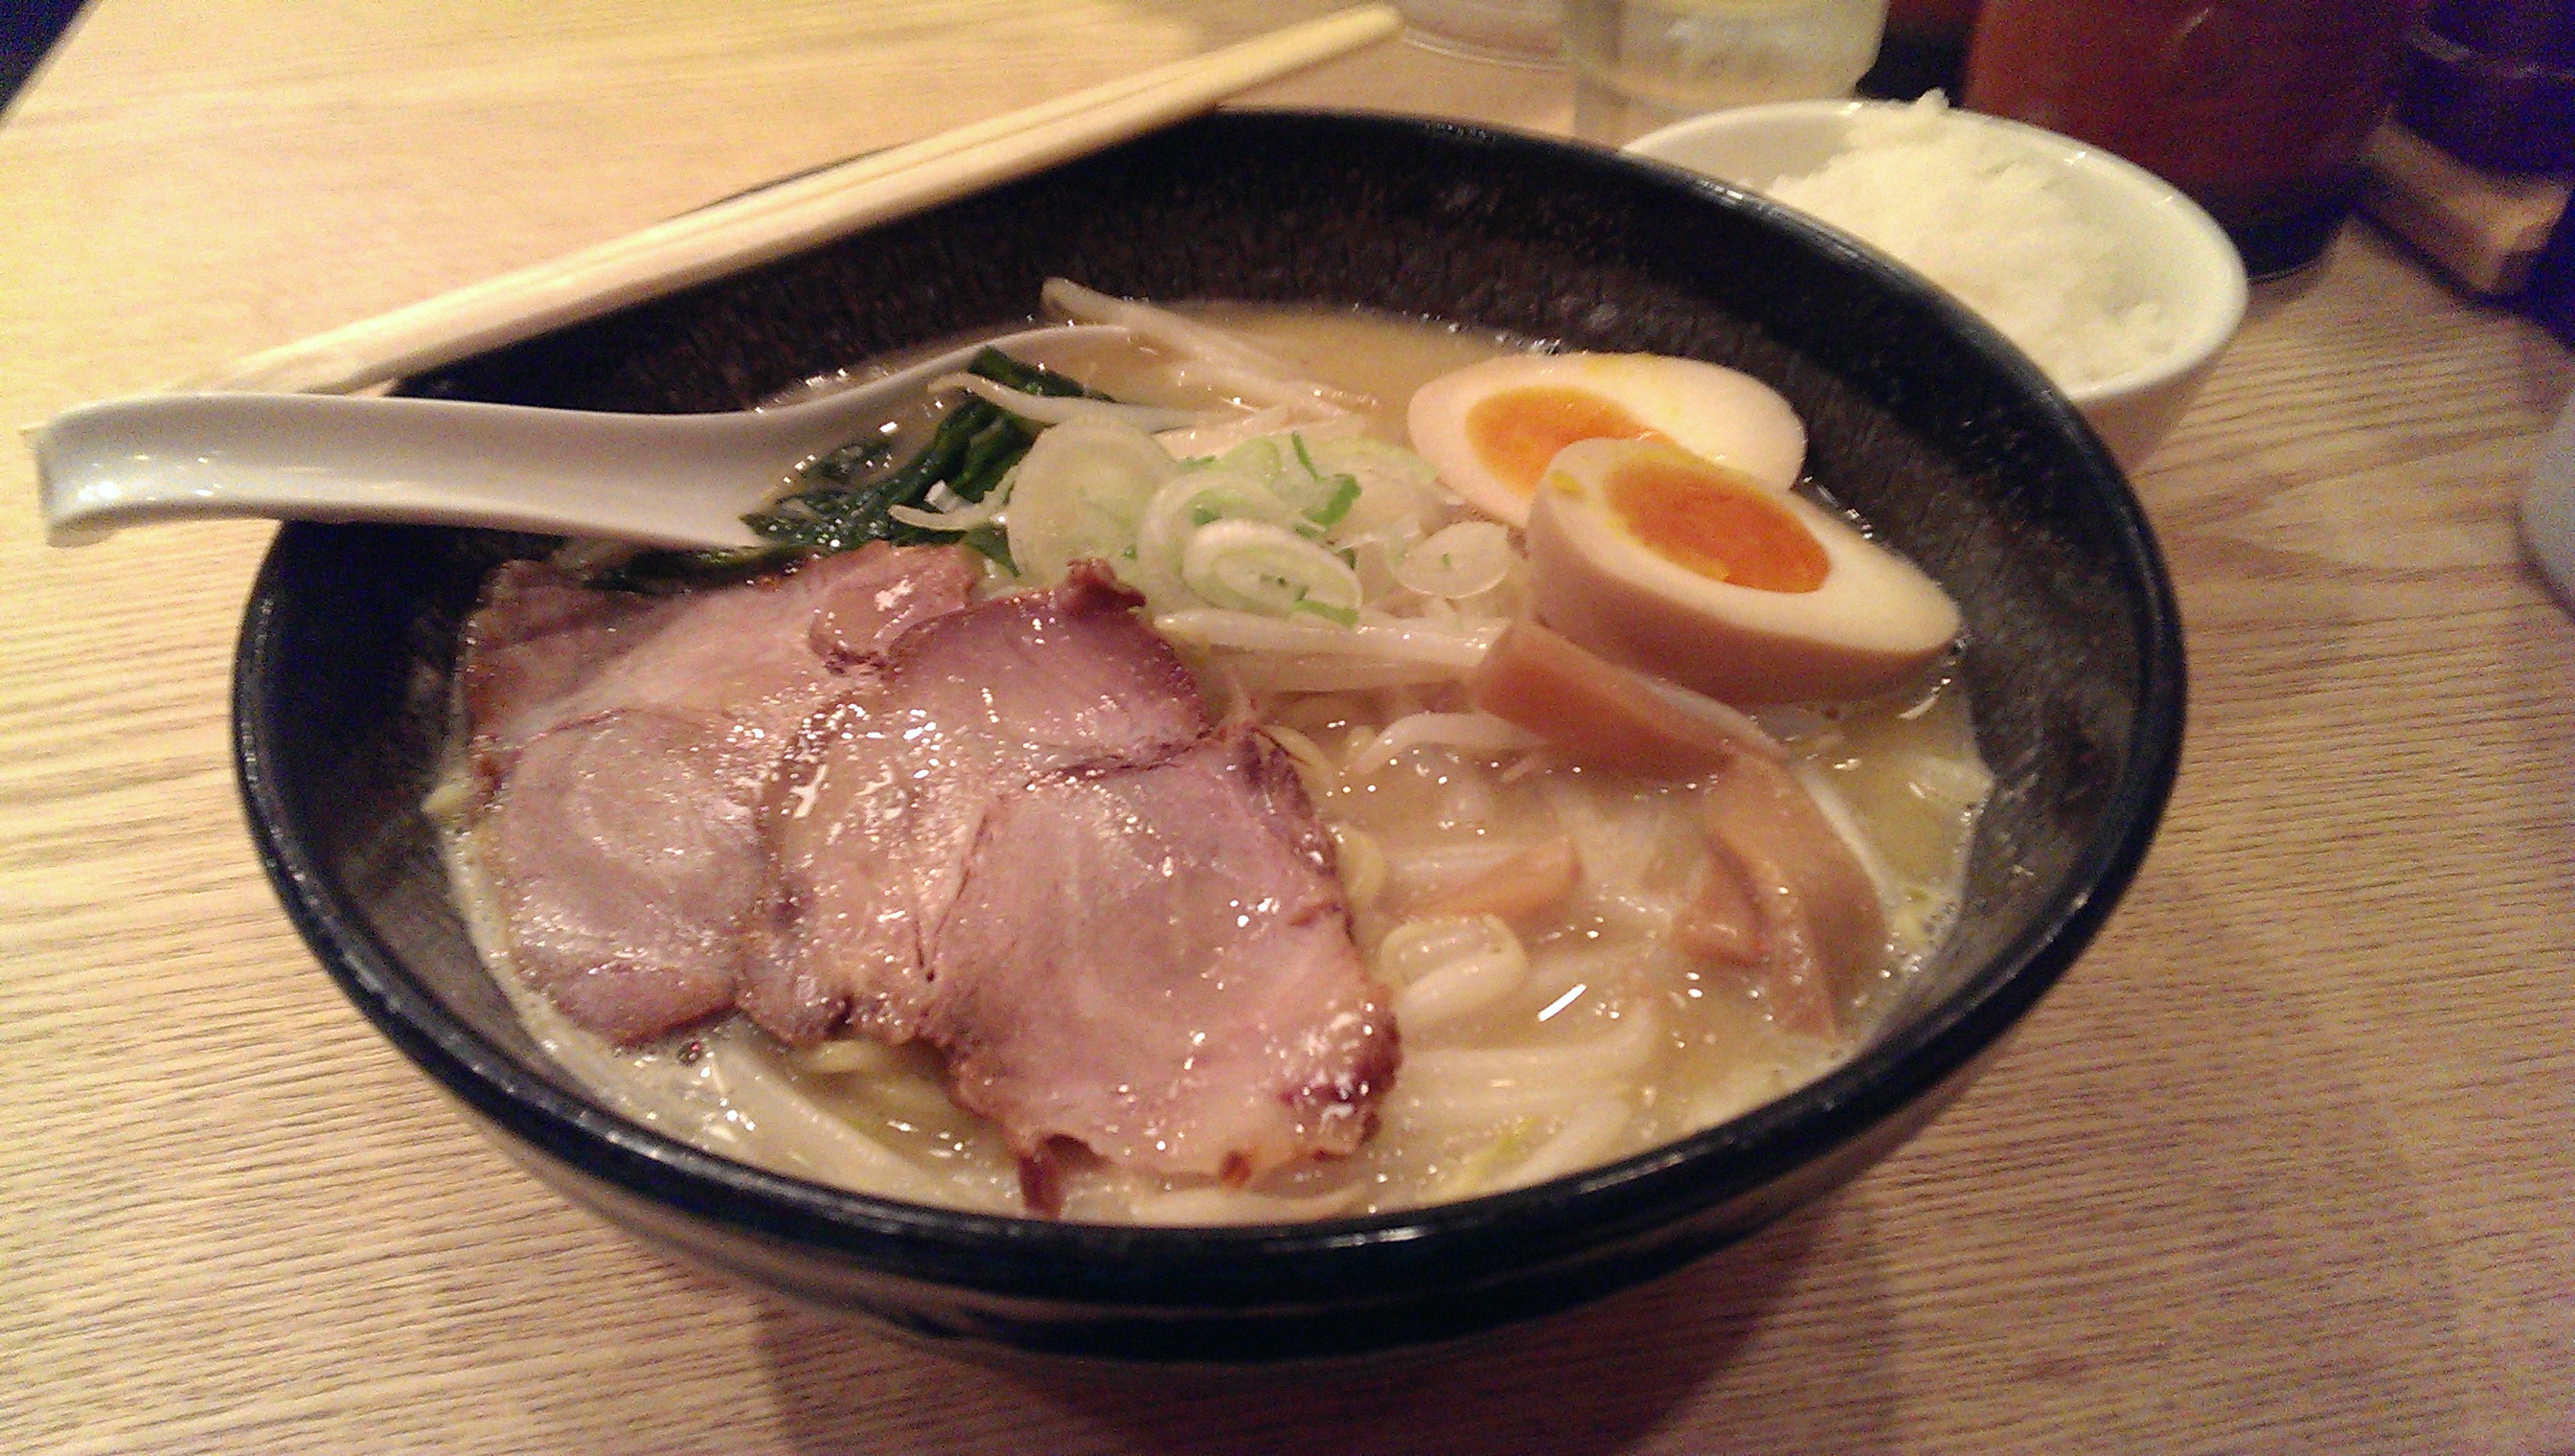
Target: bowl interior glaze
pixel 1921 418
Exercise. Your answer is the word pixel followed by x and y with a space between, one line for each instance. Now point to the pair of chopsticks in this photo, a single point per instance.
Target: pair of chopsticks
pixel 788 216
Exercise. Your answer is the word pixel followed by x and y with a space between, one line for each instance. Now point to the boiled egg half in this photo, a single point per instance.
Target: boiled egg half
pixel 1694 571
pixel 1492 427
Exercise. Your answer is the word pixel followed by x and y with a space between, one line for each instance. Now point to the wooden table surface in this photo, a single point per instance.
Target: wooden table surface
pixel 2286 1165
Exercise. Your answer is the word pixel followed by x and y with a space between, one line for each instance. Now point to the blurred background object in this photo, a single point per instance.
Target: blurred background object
pixel 2550 295
pixel 1925 48
pixel 2492 82
pixel 28 29
pixel 1642 64
pixel 2476 165
pixel 2258 109
pixel 1491 30
pixel 2487 230
pixel 2548 509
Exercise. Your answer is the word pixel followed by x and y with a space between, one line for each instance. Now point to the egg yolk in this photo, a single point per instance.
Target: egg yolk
pixel 1516 432
pixel 1714 523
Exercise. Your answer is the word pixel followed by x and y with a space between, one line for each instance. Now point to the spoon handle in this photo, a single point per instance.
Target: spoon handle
pixel 428 462
pixel 656 480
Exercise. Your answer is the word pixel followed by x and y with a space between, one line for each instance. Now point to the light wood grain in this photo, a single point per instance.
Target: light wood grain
pixel 2284 1165
pixel 788 216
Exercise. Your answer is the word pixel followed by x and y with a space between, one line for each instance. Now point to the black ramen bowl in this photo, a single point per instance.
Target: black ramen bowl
pixel 1936 431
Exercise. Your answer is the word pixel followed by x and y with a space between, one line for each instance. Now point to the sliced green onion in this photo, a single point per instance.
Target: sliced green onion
pixel 1305 456
pixel 1338 616
pixel 1252 565
pixel 1345 492
pixel 1082 493
pixel 1458 561
pixel 1186 504
pixel 1258 458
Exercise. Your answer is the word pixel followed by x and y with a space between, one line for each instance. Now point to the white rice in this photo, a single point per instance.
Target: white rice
pixel 1965 207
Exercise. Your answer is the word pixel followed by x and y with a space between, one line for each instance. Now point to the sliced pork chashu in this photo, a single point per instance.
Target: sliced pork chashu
pixel 1155 963
pixel 624 743
pixel 843 801
pixel 1022 842
pixel 881 799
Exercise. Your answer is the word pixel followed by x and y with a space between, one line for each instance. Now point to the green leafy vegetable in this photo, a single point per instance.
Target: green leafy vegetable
pixel 658 571
pixel 1338 616
pixel 851 461
pixel 1345 493
pixel 850 491
pixel 993 544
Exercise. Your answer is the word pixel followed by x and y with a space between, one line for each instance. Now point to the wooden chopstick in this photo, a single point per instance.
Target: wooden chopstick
pixel 788 216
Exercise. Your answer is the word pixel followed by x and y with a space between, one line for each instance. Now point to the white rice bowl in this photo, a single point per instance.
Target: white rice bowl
pixel 2119 288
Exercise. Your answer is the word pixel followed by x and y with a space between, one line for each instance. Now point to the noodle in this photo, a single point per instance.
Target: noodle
pixel 1474 732
pixel 1386 640
pixel 1449 968
pixel 1050 410
pixel 1621 1053
pixel 1362 865
pixel 1522 912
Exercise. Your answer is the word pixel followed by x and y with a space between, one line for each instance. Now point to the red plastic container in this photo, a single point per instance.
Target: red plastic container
pixel 2258 109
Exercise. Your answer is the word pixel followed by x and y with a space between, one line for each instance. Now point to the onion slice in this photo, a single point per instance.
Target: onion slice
pixel 1252 565
pixel 1374 638
pixel 1458 561
pixel 1236 365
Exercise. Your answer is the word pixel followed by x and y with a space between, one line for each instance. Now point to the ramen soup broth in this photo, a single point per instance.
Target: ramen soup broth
pixel 1538 1042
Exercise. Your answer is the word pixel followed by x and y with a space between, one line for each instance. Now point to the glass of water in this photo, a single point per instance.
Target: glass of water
pixel 1641 64
pixel 1487 30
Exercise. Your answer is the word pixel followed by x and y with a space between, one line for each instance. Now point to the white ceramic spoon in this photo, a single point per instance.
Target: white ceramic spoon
pixel 656 480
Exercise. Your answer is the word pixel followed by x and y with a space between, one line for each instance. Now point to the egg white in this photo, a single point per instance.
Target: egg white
pixel 1720 415
pixel 1875 621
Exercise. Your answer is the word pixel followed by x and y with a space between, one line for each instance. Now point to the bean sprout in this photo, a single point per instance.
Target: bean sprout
pixel 1584 1141
pixel 1473 733
pixel 1060 409
pixel 1449 968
